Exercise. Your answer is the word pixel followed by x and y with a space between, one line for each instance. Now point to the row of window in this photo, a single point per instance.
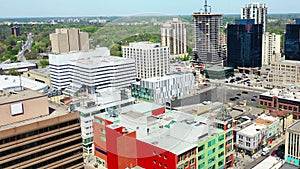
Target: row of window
pixel 44 152
pixel 38 131
pixel 38 143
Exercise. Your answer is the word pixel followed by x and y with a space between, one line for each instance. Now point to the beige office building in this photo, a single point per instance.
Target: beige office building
pixel 40 75
pixel 292 146
pixel 69 40
pixel 283 73
pixel 32 137
pixel 151 60
pixel 174 35
pixel 270 48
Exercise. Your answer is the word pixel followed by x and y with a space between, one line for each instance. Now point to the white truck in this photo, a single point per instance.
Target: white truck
pixel 265 151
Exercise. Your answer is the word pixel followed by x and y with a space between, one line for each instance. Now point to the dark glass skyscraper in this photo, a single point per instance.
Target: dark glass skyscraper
pixel 292 42
pixel 244 44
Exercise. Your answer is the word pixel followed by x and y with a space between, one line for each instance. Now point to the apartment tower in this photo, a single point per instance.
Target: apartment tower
pixel 69 40
pixel 256 11
pixel 174 35
pixel 207 37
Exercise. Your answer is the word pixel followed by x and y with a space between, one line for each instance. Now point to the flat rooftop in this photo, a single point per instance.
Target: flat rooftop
pixel 295 127
pixel 100 60
pixel 20 96
pixel 270 162
pixel 252 130
pixel 58 111
pixel 205 14
pixel 166 77
pixel 45 71
pixel 142 107
pixel 283 94
pixel 18 65
pixel 7 82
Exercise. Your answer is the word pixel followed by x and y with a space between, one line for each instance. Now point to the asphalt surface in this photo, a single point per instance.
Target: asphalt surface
pixel 228 94
pixel 261 158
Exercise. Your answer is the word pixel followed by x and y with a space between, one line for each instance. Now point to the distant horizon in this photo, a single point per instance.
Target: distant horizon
pixel 82 16
pixel 79 8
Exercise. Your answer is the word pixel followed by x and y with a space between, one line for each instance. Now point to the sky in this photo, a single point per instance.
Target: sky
pixel 48 8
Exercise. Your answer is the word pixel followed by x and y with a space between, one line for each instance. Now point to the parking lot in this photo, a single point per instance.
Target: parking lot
pixel 226 94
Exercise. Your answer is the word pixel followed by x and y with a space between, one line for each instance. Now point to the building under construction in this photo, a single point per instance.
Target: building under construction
pixel 207 37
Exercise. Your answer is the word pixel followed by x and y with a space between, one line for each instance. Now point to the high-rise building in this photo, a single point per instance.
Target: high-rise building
pixel 292 42
pixel 270 48
pixel 292 138
pixel 207 37
pixel 69 40
pixel 162 89
pixel 244 44
pixel 31 137
pixel 90 71
pixel 256 11
pixel 15 31
pixel 174 35
pixel 151 59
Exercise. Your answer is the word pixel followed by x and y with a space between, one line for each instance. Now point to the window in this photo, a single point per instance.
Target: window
pixel 241 137
pixel 221 137
pixel 154 152
pixel 192 161
pixel 211 143
pixel 201 148
pixel 220 163
pixel 210 152
pixel 247 144
pixel 159 164
pixel 165 157
pixel 186 164
pixel 102 130
pixel 211 160
pixel 166 166
pixel 248 139
pixel 220 154
pixel 103 138
pixel 201 157
pixel 229 134
pixel 221 146
pixel 154 161
pixel 202 165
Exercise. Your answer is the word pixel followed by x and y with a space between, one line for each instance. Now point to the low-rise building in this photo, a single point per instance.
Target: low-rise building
pixel 40 75
pixel 251 138
pixel 17 83
pixel 282 99
pixel 148 136
pixel 163 89
pixel 18 67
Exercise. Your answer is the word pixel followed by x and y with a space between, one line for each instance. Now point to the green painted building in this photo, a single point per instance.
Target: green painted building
pixel 211 152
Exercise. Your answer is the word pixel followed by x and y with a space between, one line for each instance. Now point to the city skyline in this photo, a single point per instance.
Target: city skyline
pixel 55 8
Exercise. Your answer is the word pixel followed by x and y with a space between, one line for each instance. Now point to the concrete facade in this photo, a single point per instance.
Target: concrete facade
pixel 271 49
pixel 24 105
pixel 151 59
pixel 69 40
pixel 174 35
pixel 256 11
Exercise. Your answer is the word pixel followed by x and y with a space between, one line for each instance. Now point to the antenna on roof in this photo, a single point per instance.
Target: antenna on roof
pixel 205 6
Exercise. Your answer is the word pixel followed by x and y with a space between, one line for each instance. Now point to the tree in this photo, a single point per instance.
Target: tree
pixel 13 58
pixel 44 63
pixel 13 72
